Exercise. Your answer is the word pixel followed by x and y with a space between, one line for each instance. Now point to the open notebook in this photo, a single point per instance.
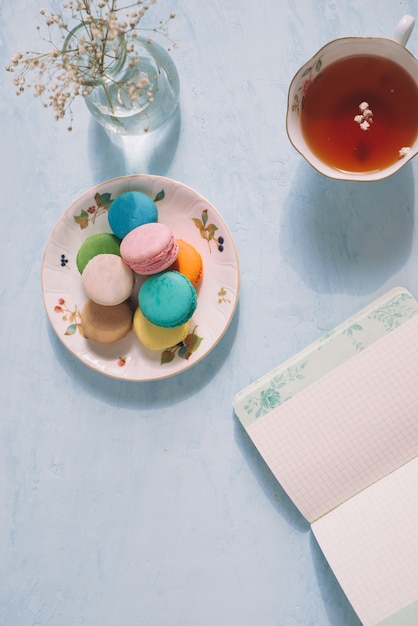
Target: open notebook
pixel 338 427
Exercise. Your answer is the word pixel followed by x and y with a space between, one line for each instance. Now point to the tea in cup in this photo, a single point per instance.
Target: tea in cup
pixel 353 108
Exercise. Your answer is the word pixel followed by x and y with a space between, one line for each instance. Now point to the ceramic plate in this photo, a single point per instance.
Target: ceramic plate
pixel 190 217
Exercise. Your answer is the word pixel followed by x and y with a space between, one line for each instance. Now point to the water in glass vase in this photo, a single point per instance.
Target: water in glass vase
pixel 119 106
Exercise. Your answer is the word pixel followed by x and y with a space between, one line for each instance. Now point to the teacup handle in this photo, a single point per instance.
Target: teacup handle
pixel 404 29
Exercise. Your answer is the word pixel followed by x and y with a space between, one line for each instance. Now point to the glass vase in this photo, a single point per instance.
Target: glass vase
pixel 138 89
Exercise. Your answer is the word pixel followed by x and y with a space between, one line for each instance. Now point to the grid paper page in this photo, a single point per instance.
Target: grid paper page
pixel 347 430
pixel 371 544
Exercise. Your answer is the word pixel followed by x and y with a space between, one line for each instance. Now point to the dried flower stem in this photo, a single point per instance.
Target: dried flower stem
pixel 83 60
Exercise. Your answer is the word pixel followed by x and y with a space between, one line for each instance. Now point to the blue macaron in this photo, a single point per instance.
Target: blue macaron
pixel 167 299
pixel 130 210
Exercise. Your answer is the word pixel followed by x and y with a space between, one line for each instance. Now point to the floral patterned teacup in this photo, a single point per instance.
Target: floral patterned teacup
pixel 308 75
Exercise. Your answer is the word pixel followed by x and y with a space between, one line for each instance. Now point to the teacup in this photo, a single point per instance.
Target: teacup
pixel 353 107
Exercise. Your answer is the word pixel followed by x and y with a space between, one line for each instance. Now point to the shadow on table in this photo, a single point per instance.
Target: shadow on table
pixel 349 237
pixel 339 609
pixel 151 153
pixel 150 395
pixel 267 481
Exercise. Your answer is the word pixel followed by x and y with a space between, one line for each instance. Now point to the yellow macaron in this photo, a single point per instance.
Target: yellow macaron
pixel 156 337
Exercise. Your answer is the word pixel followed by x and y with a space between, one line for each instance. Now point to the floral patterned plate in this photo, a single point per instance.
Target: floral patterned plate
pixel 190 217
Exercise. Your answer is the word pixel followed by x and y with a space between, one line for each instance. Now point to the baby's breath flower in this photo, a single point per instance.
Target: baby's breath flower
pixel 62 74
pixel 39 89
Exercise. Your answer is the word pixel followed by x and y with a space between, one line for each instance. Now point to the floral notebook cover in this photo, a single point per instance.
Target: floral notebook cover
pixel 346 340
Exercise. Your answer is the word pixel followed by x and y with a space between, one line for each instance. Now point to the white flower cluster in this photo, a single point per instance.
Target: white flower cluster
pixel 70 69
pixel 365 117
pixel 403 152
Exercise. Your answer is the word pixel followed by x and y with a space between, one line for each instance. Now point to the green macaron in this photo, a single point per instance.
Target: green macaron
pixel 100 243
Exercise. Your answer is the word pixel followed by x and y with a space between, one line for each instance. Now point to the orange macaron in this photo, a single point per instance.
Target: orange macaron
pixel 188 262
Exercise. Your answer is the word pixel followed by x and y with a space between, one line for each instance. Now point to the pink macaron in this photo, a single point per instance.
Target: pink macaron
pixel 149 249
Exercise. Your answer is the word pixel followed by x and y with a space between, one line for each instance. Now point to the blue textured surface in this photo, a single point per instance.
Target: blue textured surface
pixel 146 504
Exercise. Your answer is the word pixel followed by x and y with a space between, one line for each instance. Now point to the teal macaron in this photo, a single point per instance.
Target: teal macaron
pixel 130 210
pixel 167 299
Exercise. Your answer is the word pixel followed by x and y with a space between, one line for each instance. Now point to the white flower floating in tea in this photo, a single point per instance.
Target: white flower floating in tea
pixel 365 118
pixel 403 152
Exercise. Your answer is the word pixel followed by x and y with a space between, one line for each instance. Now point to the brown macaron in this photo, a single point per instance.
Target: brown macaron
pixel 106 324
